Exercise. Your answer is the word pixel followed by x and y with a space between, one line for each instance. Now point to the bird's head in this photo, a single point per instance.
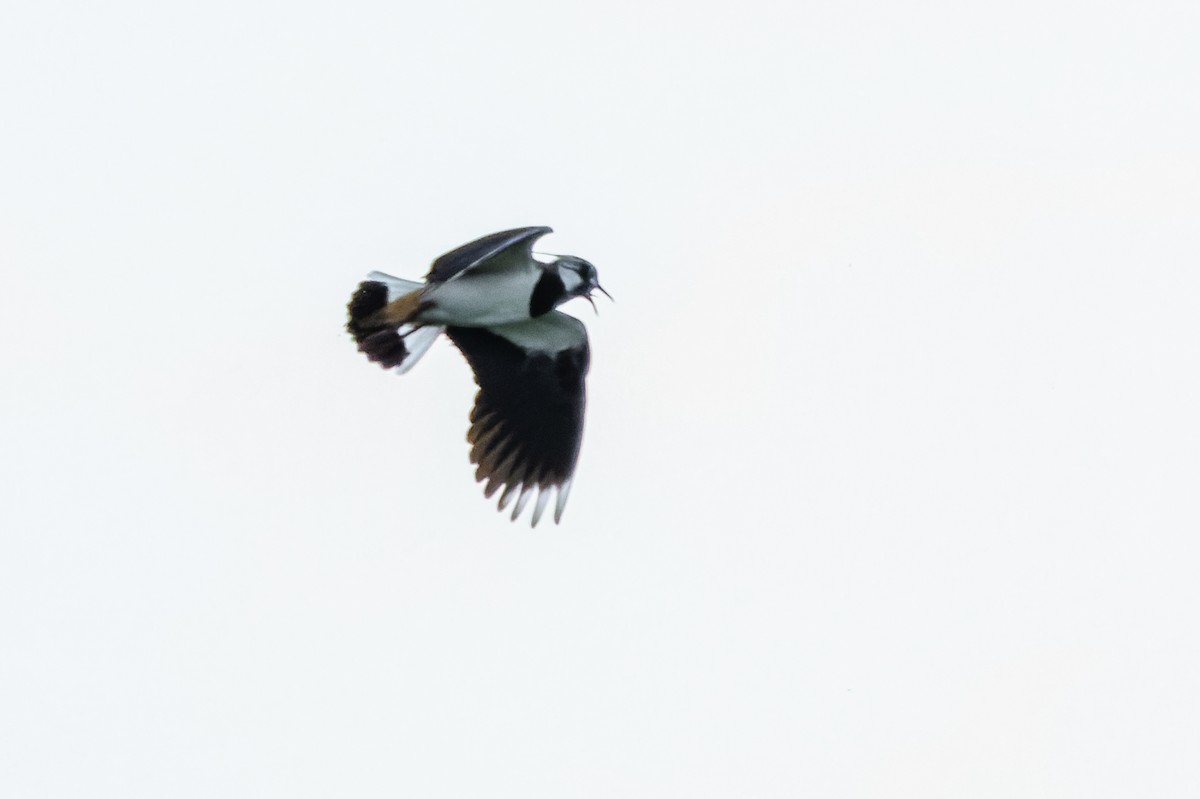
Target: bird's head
pixel 579 278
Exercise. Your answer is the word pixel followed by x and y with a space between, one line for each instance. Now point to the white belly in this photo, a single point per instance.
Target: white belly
pixel 481 300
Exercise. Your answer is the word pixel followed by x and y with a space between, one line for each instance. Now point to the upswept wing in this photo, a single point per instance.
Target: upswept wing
pixel 509 248
pixel 527 423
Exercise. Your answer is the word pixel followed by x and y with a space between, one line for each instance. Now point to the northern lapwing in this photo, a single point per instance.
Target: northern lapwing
pixel 496 302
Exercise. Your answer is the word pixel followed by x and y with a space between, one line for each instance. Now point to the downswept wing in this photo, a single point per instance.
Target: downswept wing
pixel 527 423
pixel 509 248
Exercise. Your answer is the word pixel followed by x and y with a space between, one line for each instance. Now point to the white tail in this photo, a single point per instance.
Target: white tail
pixel 418 343
pixel 397 286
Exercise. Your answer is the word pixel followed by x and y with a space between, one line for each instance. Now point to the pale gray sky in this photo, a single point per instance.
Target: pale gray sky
pixel 889 483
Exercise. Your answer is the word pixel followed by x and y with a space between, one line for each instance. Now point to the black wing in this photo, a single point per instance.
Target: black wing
pixel 527 423
pixel 519 241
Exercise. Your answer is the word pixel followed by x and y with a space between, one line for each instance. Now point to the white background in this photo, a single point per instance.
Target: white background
pixel 889 485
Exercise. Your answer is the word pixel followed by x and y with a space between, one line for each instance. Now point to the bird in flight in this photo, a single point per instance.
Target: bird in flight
pixel 496 303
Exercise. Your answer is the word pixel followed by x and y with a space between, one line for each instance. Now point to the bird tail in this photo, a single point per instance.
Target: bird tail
pixel 379 311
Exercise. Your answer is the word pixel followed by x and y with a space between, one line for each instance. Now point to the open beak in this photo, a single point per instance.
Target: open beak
pixel 588 297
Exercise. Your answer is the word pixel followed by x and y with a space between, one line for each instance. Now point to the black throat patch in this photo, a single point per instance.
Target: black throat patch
pixel 546 294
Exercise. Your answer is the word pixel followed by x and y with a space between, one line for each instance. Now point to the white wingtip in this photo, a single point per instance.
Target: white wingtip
pixel 526 492
pixel 510 491
pixel 543 498
pixel 563 491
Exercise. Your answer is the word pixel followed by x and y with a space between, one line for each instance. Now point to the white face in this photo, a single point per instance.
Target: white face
pixel 578 276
